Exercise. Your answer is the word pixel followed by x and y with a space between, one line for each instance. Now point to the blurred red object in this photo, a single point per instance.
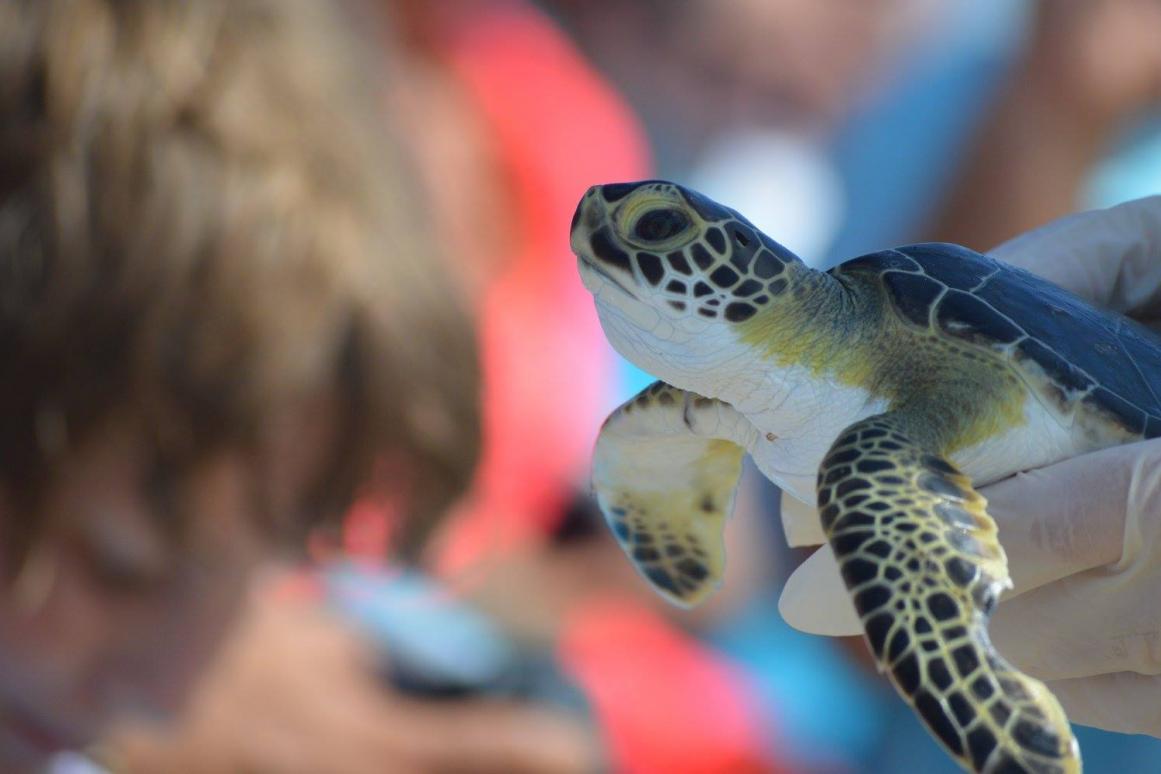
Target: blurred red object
pixel 664 701
pixel 555 128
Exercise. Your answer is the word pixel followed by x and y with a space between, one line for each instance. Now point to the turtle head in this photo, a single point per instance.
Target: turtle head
pixel 673 272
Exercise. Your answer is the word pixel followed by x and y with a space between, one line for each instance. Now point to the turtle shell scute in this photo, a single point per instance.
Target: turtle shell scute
pixel 880 261
pixel 964 316
pixel 1114 362
pixel 913 295
pixel 955 266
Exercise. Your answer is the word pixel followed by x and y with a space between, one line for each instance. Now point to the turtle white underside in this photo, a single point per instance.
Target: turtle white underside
pixel 791 461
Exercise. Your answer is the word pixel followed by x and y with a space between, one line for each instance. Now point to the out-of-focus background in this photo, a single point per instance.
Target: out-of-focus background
pixel 839 128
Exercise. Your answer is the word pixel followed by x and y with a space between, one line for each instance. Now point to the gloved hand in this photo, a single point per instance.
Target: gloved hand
pixel 1083 536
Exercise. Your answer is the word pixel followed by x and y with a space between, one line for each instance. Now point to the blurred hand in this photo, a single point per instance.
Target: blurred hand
pixel 1083 536
pixel 533 590
pixel 295 691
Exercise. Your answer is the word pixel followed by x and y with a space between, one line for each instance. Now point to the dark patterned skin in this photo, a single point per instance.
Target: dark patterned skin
pixel 732 272
pixel 665 483
pixel 919 555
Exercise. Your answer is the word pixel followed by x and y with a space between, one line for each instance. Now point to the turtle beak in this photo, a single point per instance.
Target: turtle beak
pixel 593 238
pixel 600 260
pixel 590 214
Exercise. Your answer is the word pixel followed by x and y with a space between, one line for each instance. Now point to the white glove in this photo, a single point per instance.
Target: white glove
pixel 1083 536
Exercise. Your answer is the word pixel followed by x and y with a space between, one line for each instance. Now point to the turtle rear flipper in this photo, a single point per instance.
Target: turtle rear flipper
pixel 918 553
pixel 665 470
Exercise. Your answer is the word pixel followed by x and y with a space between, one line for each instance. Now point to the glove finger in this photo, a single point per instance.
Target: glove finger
pixel 1068 517
pixel 814 599
pixel 800 522
pixel 1108 257
pixel 1108 618
pixel 1124 702
pixel 1092 623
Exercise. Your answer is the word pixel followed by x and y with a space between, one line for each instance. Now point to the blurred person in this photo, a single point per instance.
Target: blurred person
pixel 502 172
pixel 220 320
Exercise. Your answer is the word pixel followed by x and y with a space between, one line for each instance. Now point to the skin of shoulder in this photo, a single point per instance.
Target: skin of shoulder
pixel 842 327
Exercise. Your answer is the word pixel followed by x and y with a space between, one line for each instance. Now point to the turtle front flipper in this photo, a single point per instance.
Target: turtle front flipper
pixel 919 554
pixel 665 470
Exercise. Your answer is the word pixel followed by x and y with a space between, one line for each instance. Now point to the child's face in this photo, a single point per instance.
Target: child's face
pixel 110 615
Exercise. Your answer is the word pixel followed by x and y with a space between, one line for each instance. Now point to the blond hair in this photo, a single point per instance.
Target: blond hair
pixel 202 221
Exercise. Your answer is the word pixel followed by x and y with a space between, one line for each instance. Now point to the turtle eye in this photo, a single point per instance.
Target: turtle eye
pixel 659 225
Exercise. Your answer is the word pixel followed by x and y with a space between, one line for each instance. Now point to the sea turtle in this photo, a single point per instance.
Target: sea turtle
pixel 880 391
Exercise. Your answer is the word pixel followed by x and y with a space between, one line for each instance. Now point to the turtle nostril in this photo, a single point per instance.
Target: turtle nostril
pixel 589 214
pixel 576 215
